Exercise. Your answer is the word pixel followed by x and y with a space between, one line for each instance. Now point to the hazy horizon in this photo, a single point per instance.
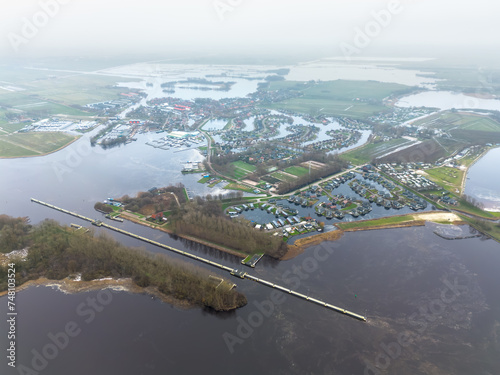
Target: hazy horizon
pixel 204 29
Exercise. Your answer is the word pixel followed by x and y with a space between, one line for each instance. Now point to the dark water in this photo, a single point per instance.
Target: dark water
pixel 483 182
pixel 397 277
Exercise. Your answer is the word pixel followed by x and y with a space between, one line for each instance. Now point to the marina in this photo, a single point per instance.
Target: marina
pixel 390 276
pixel 232 271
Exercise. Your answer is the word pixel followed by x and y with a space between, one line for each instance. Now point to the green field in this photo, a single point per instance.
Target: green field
pixel 9 150
pixel 343 89
pixel 467 207
pixel 32 144
pixel 297 171
pixel 48 92
pixel 459 120
pixel 71 89
pixel 19 76
pixel 234 186
pixel 475 137
pixel 204 180
pixel 10 99
pixel 245 166
pixel 289 85
pixel 11 128
pixel 376 222
pixel 328 107
pixel 33 105
pixel 50 108
pixel 366 153
pixel 356 99
pixel 465 79
pixel 217 181
pixel 446 177
pixel 471 157
pixel 282 177
pixel 241 169
pixel 492 229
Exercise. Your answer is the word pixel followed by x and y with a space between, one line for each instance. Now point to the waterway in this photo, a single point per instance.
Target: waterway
pixel 79 175
pixel 284 131
pixel 393 273
pixel 149 78
pixel 334 69
pixel 483 183
pixel 215 125
pixel 249 124
pixel 399 278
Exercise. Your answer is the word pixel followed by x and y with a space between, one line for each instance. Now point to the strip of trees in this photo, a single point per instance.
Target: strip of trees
pixel 206 220
pixel 101 133
pixel 99 206
pixel 13 233
pixel 333 164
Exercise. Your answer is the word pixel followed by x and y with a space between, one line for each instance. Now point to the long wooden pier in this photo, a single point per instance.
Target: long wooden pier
pixel 234 272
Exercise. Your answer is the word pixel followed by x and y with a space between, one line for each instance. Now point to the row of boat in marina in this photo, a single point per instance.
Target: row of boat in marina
pixel 166 143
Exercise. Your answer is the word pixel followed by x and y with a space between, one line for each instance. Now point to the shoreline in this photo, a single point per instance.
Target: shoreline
pixel 300 246
pixel 70 286
pixel 466 171
pixel 370 138
pixel 76 138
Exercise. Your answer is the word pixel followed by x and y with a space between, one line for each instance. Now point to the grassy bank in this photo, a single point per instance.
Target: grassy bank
pixel 354 99
pixel 487 227
pixel 33 144
pixel 447 177
pixel 366 153
pixel 382 222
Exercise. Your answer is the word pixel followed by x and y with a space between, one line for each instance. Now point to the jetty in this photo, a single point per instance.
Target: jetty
pixel 115 218
pixel 252 260
pixel 235 272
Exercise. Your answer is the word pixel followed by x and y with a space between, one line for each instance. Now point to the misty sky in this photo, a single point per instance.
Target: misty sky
pixel 107 27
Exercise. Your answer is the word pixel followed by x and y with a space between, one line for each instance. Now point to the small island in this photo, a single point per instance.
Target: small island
pixel 58 253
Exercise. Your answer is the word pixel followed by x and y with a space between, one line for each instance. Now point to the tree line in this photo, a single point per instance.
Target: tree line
pixel 56 252
pixel 101 133
pixel 13 233
pixel 205 219
pixel 333 164
pixel 99 206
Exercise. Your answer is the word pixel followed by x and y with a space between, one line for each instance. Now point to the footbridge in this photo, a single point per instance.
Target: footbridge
pixel 235 272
